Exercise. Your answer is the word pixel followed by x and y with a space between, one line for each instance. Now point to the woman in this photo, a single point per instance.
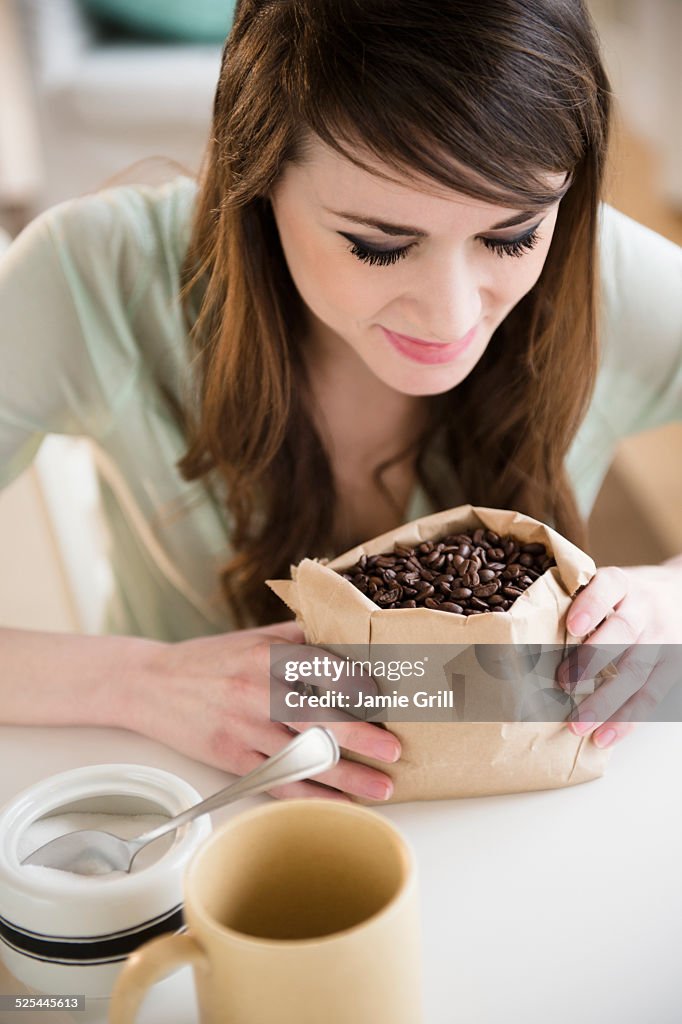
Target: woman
pixel 391 303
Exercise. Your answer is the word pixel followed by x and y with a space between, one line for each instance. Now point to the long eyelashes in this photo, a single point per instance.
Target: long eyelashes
pixel 516 247
pixel 376 257
pixel 387 257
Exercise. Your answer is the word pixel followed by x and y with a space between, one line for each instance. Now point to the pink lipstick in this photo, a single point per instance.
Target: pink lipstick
pixel 428 352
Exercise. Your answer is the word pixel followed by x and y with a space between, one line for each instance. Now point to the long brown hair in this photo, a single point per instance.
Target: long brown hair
pixel 486 99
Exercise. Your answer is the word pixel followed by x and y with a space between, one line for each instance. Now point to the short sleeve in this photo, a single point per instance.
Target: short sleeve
pixel 63 352
pixel 641 327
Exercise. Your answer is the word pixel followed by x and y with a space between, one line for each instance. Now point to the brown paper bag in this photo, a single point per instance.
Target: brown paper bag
pixel 455 759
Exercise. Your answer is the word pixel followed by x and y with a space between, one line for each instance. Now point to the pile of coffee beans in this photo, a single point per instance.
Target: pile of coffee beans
pixel 465 573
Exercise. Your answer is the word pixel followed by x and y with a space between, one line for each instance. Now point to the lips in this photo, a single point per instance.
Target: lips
pixel 428 352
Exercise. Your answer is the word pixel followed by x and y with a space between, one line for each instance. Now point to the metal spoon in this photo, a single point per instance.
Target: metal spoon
pixel 93 852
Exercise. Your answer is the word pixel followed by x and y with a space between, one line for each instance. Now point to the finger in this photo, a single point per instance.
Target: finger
pixel 627 677
pixel 346 776
pixel 608 734
pixel 308 791
pixel 319 706
pixel 642 706
pixel 621 630
pixel 361 738
pixel 605 590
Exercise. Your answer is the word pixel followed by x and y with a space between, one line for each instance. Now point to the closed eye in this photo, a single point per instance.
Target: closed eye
pixel 387 257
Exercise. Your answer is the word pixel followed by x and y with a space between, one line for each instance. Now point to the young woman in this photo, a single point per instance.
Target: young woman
pixel 392 290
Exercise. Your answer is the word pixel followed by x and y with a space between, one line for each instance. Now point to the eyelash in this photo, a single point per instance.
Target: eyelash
pixel 387 257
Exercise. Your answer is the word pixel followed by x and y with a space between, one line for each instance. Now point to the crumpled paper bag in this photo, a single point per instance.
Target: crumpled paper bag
pixel 458 759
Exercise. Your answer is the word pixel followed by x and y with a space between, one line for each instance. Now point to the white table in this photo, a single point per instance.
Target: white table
pixel 562 906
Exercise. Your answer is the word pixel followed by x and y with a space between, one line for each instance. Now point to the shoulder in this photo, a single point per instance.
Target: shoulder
pixel 117 240
pixel 640 381
pixel 641 277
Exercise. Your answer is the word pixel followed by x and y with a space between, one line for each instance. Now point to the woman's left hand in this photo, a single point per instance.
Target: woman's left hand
pixel 624 608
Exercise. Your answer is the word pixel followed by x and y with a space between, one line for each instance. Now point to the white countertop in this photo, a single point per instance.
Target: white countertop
pixel 561 906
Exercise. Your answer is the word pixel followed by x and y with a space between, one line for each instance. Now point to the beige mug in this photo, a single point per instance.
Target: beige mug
pixel 297 912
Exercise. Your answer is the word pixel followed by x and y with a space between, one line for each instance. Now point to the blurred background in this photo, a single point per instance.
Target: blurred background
pixel 89 87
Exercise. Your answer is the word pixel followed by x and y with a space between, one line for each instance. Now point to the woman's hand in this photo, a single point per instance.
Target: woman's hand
pixel 209 698
pixel 624 608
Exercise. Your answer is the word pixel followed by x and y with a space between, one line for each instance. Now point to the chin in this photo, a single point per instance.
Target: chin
pixel 438 385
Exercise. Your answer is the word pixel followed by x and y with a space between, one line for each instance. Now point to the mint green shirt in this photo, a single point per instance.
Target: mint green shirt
pixel 91 332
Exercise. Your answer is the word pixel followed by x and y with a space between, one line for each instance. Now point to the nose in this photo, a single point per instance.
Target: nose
pixel 446 300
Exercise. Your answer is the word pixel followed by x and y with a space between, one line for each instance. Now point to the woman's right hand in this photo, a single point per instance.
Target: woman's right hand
pixel 209 698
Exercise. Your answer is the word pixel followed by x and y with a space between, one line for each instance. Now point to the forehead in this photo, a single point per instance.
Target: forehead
pixel 330 179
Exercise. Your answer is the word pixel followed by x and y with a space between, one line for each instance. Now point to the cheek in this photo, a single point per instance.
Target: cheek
pixel 329 279
pixel 515 276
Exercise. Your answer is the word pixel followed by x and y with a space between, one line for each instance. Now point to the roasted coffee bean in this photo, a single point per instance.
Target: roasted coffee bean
pixel 463 573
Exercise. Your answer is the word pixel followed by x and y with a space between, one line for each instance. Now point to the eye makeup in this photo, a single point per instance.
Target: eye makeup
pixel 387 257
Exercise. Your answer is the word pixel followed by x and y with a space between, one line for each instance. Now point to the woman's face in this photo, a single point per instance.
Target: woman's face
pixel 418 298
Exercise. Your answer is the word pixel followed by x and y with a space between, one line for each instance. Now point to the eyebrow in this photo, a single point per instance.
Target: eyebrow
pixel 405 229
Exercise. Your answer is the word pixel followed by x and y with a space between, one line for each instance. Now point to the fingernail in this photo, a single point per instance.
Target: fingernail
pixel 387 752
pixel 579 624
pixel 605 738
pixel 581 728
pixel 378 790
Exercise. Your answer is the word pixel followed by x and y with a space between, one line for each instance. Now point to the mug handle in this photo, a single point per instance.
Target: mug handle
pixel 148 965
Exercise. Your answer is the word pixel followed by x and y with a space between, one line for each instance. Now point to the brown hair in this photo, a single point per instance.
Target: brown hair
pixel 487 99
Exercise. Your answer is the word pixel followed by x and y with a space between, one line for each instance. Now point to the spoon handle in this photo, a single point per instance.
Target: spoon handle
pixel 309 753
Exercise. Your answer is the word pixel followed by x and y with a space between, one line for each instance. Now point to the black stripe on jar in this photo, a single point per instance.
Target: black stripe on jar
pixel 95 949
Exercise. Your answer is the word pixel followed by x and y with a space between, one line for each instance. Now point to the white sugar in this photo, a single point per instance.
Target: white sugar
pixel 125 826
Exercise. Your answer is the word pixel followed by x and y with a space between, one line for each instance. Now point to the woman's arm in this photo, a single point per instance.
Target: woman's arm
pixel 208 698
pixel 66 679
